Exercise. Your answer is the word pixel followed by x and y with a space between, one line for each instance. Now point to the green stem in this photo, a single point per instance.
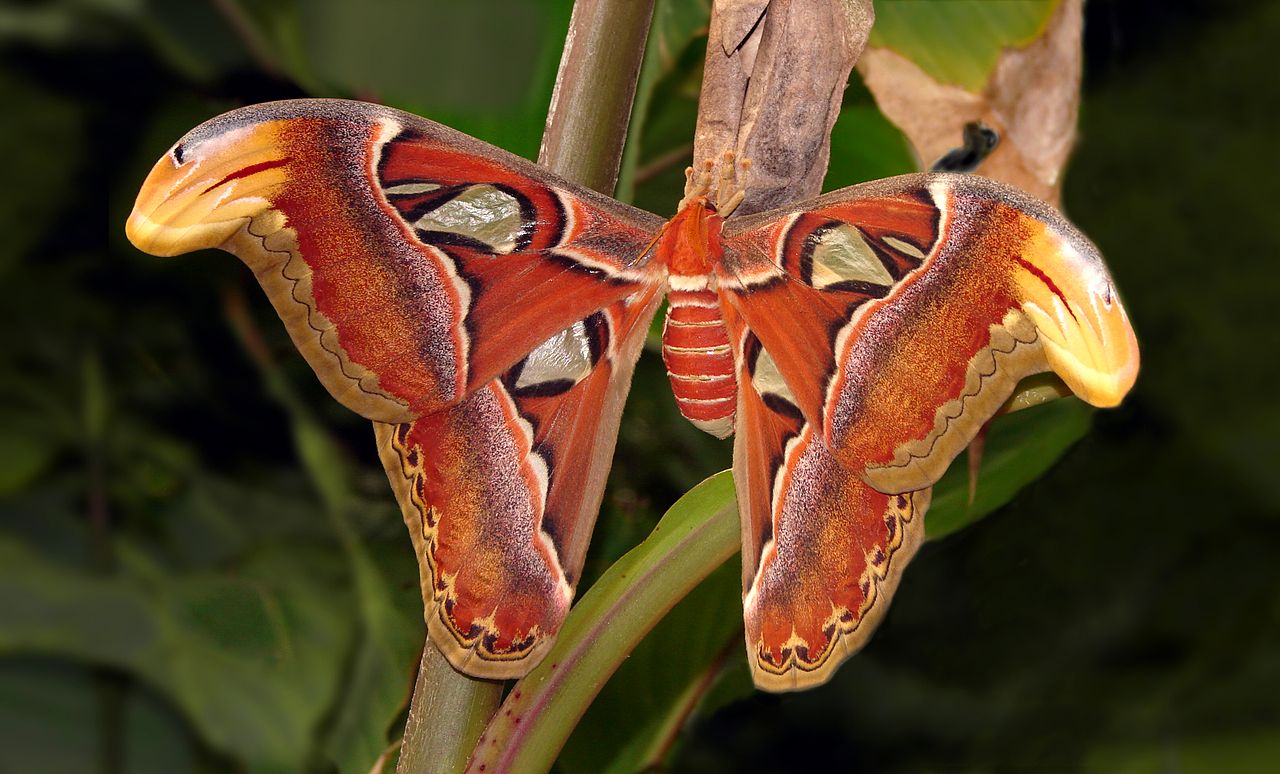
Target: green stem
pixel 591 105
pixel 448 714
pixel 583 139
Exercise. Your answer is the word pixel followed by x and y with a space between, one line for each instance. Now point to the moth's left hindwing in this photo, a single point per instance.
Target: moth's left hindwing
pixel 484 313
pixel 501 491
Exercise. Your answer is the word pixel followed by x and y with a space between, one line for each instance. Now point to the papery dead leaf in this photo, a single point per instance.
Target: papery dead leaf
pixel 1032 100
pixel 772 89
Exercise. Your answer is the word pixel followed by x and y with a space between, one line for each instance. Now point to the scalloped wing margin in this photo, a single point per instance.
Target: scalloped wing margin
pixel 875 331
pixel 822 551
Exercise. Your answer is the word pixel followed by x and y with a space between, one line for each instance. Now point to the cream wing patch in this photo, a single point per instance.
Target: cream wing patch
pixel 842 255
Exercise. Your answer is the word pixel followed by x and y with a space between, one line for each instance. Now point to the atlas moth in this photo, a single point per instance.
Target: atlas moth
pixel 486 315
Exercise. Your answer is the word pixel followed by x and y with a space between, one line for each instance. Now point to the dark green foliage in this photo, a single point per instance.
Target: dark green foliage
pixel 201 568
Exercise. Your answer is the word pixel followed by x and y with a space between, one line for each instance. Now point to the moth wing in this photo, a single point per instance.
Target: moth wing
pixel 903 313
pixel 500 492
pixel 876 329
pixel 410 263
pixel 485 314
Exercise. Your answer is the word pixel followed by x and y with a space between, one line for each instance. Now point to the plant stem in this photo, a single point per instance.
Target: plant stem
pixel 591 104
pixel 583 139
pixel 449 712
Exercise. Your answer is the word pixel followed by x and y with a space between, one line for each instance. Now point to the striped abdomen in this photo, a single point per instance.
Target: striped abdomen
pixel 695 347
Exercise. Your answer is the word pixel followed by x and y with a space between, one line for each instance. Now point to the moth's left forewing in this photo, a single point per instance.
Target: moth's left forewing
pixel 485 313
pixel 411 264
pixel 500 493
pixel 972 286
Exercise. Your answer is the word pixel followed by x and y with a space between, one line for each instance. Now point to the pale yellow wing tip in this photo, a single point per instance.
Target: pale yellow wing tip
pixel 1103 384
pixel 165 241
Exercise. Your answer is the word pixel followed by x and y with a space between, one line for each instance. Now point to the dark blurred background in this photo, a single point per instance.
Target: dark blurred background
pixel 178 591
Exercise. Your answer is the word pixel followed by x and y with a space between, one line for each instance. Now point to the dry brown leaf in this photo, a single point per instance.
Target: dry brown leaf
pixel 1032 100
pixel 772 89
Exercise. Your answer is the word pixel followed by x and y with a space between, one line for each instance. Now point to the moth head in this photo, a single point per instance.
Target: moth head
pixel 209 185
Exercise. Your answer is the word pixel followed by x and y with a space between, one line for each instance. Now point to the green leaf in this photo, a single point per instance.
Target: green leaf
pixel 388 638
pixel 377 681
pixel 48 145
pixel 1019 448
pixel 1240 750
pixel 51 720
pixel 864 144
pixel 958 41
pixel 25 451
pixel 251 660
pixel 696 536
pixel 637 716
pixel 495 87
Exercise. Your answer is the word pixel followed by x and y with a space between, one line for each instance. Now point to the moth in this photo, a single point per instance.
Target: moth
pixel 486 315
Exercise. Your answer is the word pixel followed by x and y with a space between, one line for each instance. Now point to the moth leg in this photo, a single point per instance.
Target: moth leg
pixel 731 192
pixel 697 183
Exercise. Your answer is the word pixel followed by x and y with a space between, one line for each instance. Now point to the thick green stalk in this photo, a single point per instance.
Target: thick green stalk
pixel 583 140
pixel 449 712
pixel 591 105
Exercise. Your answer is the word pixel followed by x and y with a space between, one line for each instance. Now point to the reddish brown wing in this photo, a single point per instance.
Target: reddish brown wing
pixel 500 492
pixel 410 263
pixel 484 313
pixel 876 330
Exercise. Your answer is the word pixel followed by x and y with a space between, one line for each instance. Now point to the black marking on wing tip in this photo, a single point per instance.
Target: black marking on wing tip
pixel 597 331
pixel 177 153
pixel 781 406
pixel 750 352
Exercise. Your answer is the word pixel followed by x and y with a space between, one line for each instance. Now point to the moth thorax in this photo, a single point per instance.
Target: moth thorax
pixel 695 347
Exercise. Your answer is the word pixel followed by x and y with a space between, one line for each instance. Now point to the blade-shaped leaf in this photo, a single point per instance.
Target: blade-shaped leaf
pixel 639 714
pixel 958 41
pixel 696 536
